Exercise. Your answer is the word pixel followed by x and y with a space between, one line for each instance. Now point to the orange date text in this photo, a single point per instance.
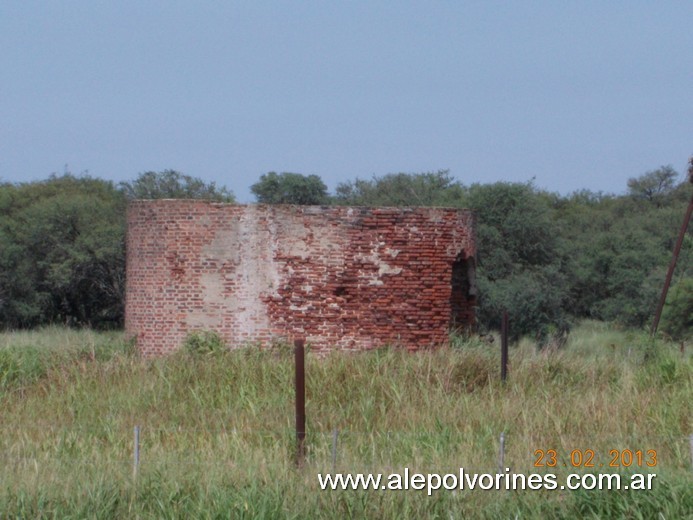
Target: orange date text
pixel 550 458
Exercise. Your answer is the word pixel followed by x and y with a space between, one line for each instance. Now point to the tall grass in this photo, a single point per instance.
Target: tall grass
pixel 217 435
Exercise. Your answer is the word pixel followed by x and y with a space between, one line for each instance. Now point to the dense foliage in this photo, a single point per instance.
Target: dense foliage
pixel 62 245
pixel 545 258
pixel 170 184
pixel 61 252
pixel 548 259
pixel 290 188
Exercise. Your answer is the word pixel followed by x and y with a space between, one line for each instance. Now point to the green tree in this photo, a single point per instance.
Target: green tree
pixel 438 188
pixel 62 252
pixel 170 184
pixel 655 186
pixel 618 249
pixel 521 262
pixel 677 318
pixel 290 188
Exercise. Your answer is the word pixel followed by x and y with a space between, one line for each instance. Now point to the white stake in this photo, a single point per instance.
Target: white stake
pixel 501 462
pixel 136 454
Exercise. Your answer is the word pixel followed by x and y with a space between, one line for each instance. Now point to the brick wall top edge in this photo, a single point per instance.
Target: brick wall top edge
pixel 300 208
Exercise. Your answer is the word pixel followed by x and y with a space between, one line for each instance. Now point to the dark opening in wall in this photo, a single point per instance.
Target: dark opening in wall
pixel 462 294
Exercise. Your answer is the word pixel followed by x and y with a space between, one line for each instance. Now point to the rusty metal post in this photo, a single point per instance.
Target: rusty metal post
pixel 672 266
pixel 299 358
pixel 504 347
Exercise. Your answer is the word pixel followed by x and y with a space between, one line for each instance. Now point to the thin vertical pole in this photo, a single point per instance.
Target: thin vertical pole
pixel 299 357
pixel 136 452
pixel 501 460
pixel 672 266
pixel 504 347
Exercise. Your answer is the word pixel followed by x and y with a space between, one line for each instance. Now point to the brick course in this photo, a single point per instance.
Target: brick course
pixel 342 277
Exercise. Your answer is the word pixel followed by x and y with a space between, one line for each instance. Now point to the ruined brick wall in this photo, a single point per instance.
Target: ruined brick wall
pixel 343 277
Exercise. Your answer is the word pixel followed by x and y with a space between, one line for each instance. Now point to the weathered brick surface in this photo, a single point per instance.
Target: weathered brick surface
pixel 345 278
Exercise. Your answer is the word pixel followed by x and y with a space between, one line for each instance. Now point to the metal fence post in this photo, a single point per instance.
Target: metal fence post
pixel 136 452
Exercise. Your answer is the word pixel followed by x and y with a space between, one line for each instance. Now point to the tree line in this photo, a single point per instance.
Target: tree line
pixel 547 259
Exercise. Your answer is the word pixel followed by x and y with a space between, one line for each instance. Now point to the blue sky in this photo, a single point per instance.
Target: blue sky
pixel 574 94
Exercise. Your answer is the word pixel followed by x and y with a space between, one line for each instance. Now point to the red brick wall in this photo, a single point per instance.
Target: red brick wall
pixel 345 278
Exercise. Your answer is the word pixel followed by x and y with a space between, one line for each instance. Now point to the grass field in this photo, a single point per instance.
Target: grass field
pixel 217 438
